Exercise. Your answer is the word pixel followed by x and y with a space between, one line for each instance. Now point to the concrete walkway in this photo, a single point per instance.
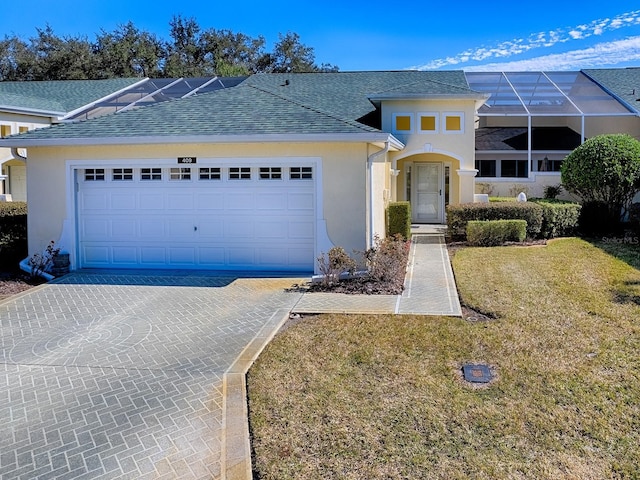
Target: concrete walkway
pixel 430 287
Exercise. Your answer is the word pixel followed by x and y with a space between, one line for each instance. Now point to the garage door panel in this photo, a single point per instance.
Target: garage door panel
pixel 180 202
pixel 256 224
pixel 239 201
pixel 150 256
pixel 94 201
pixel 123 201
pixel 153 201
pixel 271 201
pixel 150 228
pixel 125 256
pixel 301 230
pixel 209 201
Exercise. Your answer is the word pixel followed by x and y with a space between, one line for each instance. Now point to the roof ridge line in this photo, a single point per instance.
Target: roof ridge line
pixel 346 121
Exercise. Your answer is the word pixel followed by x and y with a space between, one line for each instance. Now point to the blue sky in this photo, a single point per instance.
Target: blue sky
pixel 376 35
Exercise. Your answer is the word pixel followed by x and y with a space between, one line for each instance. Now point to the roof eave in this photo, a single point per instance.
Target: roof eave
pixel 31 111
pixel 419 96
pixel 373 137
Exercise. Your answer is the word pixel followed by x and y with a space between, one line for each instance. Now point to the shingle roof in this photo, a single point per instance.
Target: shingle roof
pixel 58 96
pixel 624 83
pixel 265 104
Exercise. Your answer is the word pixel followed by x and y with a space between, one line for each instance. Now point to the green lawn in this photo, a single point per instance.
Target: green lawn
pixel 367 397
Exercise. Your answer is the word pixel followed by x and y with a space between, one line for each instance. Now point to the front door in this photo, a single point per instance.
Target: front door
pixel 426 201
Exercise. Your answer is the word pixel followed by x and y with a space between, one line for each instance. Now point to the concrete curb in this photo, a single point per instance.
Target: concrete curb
pixel 235 441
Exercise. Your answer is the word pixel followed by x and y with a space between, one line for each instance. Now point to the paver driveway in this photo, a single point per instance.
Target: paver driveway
pixel 120 376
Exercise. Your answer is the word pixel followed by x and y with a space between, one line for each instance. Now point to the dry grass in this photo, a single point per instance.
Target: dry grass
pixel 366 397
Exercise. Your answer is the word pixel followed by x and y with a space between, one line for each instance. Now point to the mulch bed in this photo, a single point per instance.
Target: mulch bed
pixel 12 283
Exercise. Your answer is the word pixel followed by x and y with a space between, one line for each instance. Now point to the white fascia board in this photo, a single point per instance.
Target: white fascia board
pixel 164 140
pixel 419 96
pixel 31 111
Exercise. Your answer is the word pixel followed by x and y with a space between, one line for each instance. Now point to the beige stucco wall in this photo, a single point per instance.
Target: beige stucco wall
pixel 10 124
pixel 343 193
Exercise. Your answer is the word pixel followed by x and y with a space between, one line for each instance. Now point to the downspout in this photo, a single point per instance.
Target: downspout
pixel 17 156
pixel 370 160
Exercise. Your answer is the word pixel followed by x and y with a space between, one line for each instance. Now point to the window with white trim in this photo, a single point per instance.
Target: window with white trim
pixel 270 173
pixel 180 173
pixel 93 174
pixel 428 122
pixel 5 131
pixel 240 173
pixel 120 174
pixel 300 173
pixel 150 174
pixel 402 122
pixel 453 122
pixel 210 173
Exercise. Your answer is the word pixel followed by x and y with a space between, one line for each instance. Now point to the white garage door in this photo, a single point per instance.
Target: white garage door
pixel 235 218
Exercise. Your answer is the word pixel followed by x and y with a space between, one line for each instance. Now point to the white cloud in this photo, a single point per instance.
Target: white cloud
pixel 537 40
pixel 599 55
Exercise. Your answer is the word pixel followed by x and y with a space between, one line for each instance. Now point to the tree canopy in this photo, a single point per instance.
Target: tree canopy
pixel 127 51
pixel 605 169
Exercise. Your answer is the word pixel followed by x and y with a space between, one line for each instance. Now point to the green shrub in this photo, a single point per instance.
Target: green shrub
pixel 13 233
pixel 399 219
pixel 559 218
pixel 489 233
pixel 459 215
pixel 552 191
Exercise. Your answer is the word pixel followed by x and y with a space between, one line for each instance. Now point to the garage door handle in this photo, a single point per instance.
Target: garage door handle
pixel 195 229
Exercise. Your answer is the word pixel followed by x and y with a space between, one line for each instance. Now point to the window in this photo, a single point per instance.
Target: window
pixel 428 122
pixel 453 122
pixel 514 168
pixel 151 174
pixel 23 129
pixel 122 174
pixel 240 173
pixel 94 174
pixel 547 165
pixel 486 168
pixel 270 173
pixel 402 122
pixel 210 173
pixel 5 131
pixel 180 173
pixel 300 173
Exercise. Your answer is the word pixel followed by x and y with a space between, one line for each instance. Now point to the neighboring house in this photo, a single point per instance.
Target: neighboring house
pixel 26 106
pixel 274 170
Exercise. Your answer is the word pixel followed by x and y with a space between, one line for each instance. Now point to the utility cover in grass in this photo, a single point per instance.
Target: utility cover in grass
pixel 477 373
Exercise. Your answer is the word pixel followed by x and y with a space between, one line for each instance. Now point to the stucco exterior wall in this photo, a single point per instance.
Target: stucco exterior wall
pixel 343 192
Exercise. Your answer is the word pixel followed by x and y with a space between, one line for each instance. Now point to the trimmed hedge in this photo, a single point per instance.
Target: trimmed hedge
pixel 459 215
pixel 559 218
pixel 13 233
pixel 489 233
pixel 399 219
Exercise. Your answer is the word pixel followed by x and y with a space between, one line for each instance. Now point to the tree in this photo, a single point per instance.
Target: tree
pixel 605 169
pixel 185 57
pixel 57 58
pixel 289 55
pixel 231 54
pixel 129 52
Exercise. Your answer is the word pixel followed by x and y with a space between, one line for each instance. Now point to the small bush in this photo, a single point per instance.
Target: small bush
pixel 559 218
pixel 387 260
pixel 13 233
pixel 490 233
pixel 459 215
pixel 552 191
pixel 334 264
pixel 399 219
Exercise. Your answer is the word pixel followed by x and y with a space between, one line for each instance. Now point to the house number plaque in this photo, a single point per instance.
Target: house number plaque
pixel 188 160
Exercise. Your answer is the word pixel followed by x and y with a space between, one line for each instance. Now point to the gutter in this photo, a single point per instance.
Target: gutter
pixel 370 160
pixel 17 156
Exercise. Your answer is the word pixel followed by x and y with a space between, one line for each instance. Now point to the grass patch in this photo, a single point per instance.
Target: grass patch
pixel 366 397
